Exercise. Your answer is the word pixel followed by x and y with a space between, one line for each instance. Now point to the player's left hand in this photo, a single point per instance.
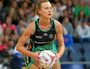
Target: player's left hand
pixel 57 58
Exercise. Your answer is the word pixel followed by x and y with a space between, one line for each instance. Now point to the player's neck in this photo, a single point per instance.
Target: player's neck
pixel 44 21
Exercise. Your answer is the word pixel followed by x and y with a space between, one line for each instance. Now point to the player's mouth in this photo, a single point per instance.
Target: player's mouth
pixel 49 14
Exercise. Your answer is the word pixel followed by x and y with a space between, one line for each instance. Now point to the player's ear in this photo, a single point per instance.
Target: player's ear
pixel 39 11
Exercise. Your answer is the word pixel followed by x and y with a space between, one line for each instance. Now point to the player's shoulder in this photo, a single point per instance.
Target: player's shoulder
pixel 57 23
pixel 32 23
pixel 31 27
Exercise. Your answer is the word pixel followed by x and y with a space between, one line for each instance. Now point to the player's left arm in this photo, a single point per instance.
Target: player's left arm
pixel 59 38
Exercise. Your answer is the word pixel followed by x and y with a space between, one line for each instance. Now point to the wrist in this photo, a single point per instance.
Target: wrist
pixel 58 55
pixel 30 54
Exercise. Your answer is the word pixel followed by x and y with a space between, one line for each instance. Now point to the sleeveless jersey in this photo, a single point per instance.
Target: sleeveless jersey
pixel 42 40
pixel 43 37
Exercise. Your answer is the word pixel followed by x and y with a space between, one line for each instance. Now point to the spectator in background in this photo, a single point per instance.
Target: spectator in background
pixel 16 61
pixel 1 11
pixel 68 26
pixel 21 14
pixel 26 11
pixel 83 31
pixel 23 11
pixel 31 13
pixel 24 7
pixel 12 11
pixel 58 9
pixel 88 23
pixel 68 37
pixel 61 17
pixel 75 2
pixel 80 17
pixel 81 6
pixel 70 7
pixel 88 2
pixel 28 1
pixel 6 2
pixel 2 48
pixel 9 29
pixel 66 14
pixel 21 27
pixel 1 30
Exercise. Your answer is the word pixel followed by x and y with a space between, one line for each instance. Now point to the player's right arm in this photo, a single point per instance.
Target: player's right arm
pixel 22 40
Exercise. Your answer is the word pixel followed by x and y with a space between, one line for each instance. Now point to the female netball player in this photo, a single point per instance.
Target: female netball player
pixel 42 32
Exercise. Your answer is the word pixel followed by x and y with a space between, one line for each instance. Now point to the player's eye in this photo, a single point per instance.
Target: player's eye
pixel 48 8
pixel 51 7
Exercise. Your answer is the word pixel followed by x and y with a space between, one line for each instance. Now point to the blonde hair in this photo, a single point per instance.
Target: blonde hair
pixel 38 5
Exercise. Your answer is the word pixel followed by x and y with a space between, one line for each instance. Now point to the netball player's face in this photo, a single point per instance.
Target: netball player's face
pixel 46 10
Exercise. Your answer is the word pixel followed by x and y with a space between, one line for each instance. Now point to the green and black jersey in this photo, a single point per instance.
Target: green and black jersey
pixel 43 38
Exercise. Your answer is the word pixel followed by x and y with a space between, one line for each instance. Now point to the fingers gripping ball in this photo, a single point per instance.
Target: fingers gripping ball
pixel 47 58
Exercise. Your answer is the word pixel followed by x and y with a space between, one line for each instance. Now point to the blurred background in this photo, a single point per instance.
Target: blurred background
pixel 74 15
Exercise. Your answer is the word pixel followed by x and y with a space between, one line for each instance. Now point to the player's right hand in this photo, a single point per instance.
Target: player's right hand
pixel 34 55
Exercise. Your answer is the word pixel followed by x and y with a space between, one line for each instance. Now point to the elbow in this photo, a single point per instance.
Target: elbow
pixel 17 48
pixel 63 48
